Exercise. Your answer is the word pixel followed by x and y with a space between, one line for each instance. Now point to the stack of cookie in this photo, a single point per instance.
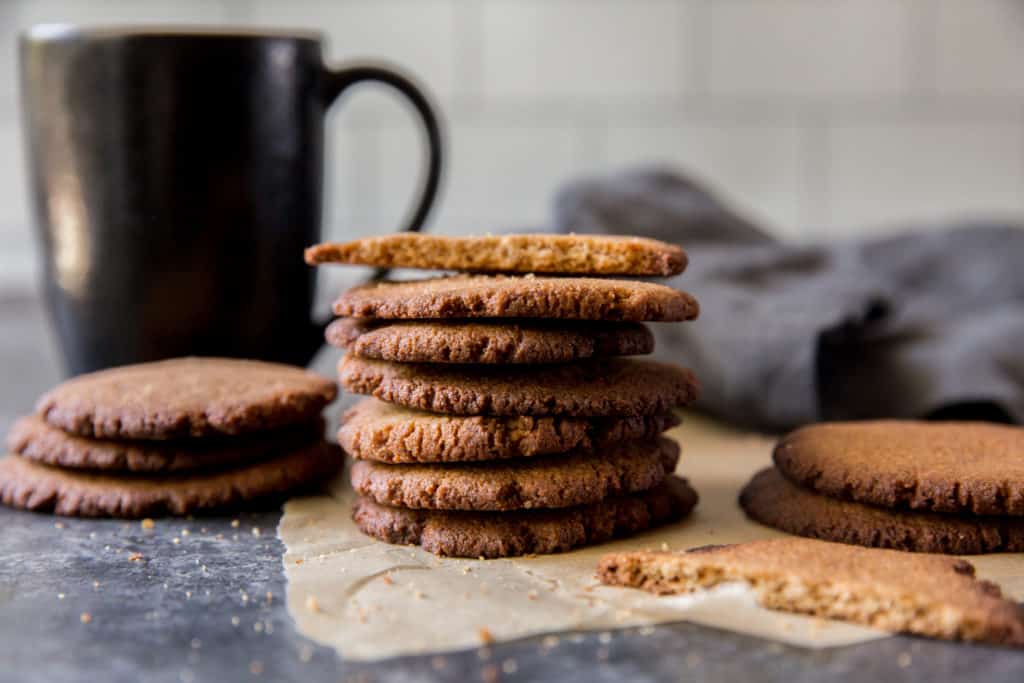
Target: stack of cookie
pixel 504 419
pixel 175 437
pixel 938 487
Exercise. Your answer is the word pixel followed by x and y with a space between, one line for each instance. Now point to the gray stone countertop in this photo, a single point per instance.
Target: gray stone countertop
pixel 209 606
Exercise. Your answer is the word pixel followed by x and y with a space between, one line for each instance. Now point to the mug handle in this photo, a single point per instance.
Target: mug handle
pixel 338 80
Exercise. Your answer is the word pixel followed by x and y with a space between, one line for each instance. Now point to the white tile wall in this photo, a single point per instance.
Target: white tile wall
pixel 809 47
pixel 819 117
pixel 760 164
pixel 583 48
pixel 885 174
pixel 980 46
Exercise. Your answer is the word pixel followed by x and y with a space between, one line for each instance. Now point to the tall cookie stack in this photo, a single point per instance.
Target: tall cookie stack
pixel 175 437
pixel 937 487
pixel 504 420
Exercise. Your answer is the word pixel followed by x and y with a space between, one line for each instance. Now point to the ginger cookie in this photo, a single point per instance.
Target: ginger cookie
pixel 594 388
pixel 551 482
pixel 34 439
pixel 507 296
pixel 186 397
pixel 508 534
pixel 928 595
pixel 536 253
pixel 374 430
pixel 489 342
pixel 31 486
pixel 771 499
pixel 968 467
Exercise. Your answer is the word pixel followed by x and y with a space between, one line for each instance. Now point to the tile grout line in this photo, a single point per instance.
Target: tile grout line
pixel 698 72
pixel 816 168
pixel 467 17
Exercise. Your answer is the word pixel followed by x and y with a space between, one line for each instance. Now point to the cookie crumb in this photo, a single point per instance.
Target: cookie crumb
pixel 904 660
pixel 510 666
pixel 258 627
pixel 485 635
pixel 550 642
pixel 664 546
pixel 388 581
pixel 58 525
pixel 490 674
pixel 604 638
pixel 298 560
pixel 532 595
pixel 438 663
pixel 312 605
pixel 147 524
pixel 419 595
pixel 135 557
pixel 85 618
pixel 256 531
pixel 234 524
pixel 175 540
pixel 305 654
pixel 256 667
pixel 235 621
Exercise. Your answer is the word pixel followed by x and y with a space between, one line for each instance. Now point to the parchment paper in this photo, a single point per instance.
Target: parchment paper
pixel 371 600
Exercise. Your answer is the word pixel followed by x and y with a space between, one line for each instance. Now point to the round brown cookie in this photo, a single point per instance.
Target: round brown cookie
pixel 594 388
pixel 31 486
pixel 773 500
pixel 552 482
pixel 463 341
pixel 374 430
pixel 34 439
pixel 505 296
pixel 525 532
pixel 973 467
pixel 186 397
pixel 536 253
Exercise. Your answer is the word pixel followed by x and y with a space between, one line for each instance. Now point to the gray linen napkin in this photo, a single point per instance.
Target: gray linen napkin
pixel 926 324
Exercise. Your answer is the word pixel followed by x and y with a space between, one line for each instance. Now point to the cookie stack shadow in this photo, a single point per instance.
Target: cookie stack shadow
pixel 503 416
pixel 936 487
pixel 176 437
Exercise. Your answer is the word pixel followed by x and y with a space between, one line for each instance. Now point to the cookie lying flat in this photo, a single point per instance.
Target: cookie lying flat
pixel 508 534
pixel 928 595
pixel 537 253
pixel 374 430
pixel 973 467
pixel 34 439
pixel 595 388
pixel 771 499
pixel 551 482
pixel 186 397
pixel 501 296
pixel 462 341
pixel 31 486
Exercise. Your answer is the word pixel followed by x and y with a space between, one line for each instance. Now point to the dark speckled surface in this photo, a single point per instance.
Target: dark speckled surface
pixel 169 615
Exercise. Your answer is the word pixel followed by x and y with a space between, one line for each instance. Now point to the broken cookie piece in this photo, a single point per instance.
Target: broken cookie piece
pixel 928 595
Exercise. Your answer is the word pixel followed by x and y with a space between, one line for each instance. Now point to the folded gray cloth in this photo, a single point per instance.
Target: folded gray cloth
pixel 926 324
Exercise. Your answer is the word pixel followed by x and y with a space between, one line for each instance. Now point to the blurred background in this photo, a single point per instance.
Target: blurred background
pixel 818 118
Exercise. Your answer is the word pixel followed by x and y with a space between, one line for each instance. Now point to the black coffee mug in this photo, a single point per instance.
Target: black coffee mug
pixel 177 178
